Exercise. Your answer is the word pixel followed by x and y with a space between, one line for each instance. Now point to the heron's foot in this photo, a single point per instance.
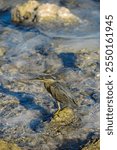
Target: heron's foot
pixel 57 112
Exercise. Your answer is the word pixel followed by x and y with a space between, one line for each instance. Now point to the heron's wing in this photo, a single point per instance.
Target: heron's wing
pixel 61 93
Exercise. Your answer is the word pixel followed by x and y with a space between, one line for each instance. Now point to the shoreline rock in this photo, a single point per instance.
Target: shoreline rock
pixel 25 12
pixel 63 117
pixel 44 14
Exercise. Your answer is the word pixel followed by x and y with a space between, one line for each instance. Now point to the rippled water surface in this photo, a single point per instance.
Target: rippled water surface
pixel 25 107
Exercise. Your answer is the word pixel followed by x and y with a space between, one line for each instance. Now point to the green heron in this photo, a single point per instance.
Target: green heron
pixel 58 91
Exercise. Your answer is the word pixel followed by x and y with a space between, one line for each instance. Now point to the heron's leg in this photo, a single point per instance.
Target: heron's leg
pixel 59 106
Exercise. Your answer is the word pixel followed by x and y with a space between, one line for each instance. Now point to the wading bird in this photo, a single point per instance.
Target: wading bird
pixel 58 91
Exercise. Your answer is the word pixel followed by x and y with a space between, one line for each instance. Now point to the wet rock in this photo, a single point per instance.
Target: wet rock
pixel 26 12
pixel 10 103
pixel 47 13
pixel 88 61
pixel 8 146
pixel 18 118
pixel 52 63
pixel 62 122
pixel 9 68
pixel 2 51
pixel 66 17
pixel 95 145
pixel 62 127
pixel 63 117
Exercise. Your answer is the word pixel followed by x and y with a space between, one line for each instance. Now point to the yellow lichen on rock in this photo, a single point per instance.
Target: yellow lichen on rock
pixel 63 117
pixel 8 146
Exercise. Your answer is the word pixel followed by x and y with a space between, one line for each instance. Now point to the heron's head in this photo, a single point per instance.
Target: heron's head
pixel 45 78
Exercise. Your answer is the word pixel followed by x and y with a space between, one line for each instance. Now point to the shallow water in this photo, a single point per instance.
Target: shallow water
pixel 25 107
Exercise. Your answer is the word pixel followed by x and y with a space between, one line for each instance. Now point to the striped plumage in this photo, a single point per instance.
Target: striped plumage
pixel 61 93
pixel 58 90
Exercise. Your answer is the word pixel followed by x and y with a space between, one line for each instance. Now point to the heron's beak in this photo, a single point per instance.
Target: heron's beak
pixel 40 78
pixel 36 79
pixel 31 79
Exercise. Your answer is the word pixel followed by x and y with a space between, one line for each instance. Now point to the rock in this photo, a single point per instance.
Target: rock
pixel 2 51
pixel 26 12
pixel 66 17
pixel 47 13
pixel 10 103
pixel 63 117
pixel 93 146
pixel 60 121
pixel 63 121
pixel 1 73
pixel 88 61
pixel 8 146
pixel 43 14
pixel 11 68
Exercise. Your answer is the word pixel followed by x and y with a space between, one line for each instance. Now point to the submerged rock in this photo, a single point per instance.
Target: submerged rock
pixel 47 13
pixel 8 146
